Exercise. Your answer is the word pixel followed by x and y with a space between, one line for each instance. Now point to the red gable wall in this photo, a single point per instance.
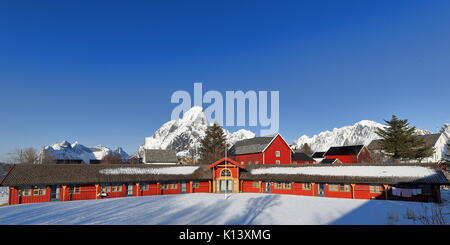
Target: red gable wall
pixel 278 145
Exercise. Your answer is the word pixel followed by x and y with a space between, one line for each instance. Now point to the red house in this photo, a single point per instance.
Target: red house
pixel 262 150
pixel 349 154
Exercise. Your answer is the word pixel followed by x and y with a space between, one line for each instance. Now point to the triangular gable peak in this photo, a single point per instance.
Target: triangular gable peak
pixel 227 161
pixel 276 136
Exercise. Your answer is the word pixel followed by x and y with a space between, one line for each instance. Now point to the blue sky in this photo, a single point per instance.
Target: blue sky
pixel 102 72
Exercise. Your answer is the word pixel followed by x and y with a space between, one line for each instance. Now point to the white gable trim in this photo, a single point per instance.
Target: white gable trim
pixel 267 146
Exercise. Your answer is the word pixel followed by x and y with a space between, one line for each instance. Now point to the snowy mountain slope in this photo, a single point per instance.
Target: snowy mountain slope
pixel 185 133
pixel 77 151
pixel 362 132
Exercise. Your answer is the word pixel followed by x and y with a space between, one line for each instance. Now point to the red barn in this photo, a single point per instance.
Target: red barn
pixel 349 154
pixel 262 150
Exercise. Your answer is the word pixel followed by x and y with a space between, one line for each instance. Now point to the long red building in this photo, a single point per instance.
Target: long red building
pixel 67 182
pixel 258 165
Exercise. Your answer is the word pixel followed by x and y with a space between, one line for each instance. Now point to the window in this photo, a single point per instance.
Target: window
pixel 375 189
pixel 116 188
pixel 173 186
pixel 277 153
pixel 250 163
pixel 344 188
pixel 195 184
pixel 277 162
pixel 306 186
pixel 25 191
pixel 286 186
pixel 257 162
pixel 164 186
pixel 106 188
pixel 38 191
pixel 225 173
pixel 256 184
pixel 143 186
pixel 75 189
pixel 333 187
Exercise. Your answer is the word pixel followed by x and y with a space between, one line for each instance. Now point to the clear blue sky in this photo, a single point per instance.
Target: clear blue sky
pixel 102 72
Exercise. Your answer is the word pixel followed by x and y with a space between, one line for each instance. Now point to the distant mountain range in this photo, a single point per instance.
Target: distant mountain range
pixel 77 151
pixel 361 133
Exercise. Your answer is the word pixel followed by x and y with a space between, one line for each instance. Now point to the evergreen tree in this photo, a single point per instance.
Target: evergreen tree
pixel 307 149
pixel 213 145
pixel 398 140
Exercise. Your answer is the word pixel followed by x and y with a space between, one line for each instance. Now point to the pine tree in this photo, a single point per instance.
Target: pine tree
pixel 213 145
pixel 398 140
pixel 307 149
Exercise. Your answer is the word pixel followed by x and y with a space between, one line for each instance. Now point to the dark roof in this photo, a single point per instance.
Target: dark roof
pixel 438 178
pixel 301 157
pixel 318 154
pixel 249 146
pixel 53 174
pixel 59 174
pixel 344 150
pixel 329 160
pixel 160 156
pixel 429 139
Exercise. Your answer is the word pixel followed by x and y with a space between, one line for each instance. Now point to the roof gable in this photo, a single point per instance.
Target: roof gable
pixel 344 150
pixel 254 145
pixel 226 160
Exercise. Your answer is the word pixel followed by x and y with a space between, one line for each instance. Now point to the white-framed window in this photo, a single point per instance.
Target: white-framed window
pixel 306 186
pixel 25 191
pixel 277 153
pixel 257 162
pixel 143 186
pixel 344 188
pixel 375 189
pixel 106 188
pixel 225 173
pixel 116 188
pixel 333 187
pixel 195 184
pixel 39 191
pixel 75 189
pixel 277 162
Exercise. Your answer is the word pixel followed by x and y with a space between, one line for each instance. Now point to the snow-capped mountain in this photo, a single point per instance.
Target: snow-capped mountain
pixel 185 133
pixel 362 132
pixel 77 151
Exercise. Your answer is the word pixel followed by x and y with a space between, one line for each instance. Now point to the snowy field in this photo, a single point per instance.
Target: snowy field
pixel 214 209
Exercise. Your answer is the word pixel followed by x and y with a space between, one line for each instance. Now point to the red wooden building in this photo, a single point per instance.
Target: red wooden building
pixel 349 154
pixel 61 182
pixel 262 150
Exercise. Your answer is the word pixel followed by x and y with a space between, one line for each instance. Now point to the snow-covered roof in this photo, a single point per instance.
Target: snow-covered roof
pixel 361 171
pixel 184 170
pixel 354 173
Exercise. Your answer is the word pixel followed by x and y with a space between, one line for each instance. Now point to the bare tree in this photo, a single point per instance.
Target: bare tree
pixel 112 159
pixel 23 156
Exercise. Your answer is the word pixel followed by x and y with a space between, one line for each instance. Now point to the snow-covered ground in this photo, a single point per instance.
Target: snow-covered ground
pixel 214 209
pixel 3 195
